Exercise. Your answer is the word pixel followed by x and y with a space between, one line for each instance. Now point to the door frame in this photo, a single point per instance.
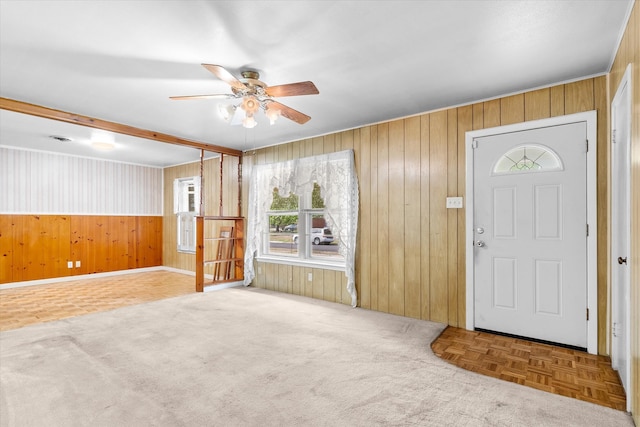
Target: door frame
pixel 625 82
pixel 588 117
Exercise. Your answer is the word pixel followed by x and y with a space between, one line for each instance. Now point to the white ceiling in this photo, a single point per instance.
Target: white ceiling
pixel 372 61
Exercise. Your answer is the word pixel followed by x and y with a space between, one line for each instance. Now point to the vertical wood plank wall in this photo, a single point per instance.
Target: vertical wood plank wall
pixel 36 247
pixel 629 53
pixel 211 193
pixel 411 254
pixel 57 208
pixel 51 183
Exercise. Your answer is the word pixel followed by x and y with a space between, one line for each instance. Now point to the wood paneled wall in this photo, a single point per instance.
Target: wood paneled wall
pixel 211 193
pixel 39 246
pixel 49 183
pixel 629 53
pixel 411 249
pixel 58 208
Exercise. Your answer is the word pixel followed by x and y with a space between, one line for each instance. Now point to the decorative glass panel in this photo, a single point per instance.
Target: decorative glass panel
pixel 528 158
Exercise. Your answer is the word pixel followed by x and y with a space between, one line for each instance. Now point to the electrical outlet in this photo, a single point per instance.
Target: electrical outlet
pixel 69 264
pixel 77 264
pixel 454 202
pixel 310 277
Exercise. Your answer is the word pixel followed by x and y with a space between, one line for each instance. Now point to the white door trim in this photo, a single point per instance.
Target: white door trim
pixel 590 118
pixel 625 84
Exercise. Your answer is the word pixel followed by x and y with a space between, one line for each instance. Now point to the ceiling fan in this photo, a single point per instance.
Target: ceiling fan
pixel 255 95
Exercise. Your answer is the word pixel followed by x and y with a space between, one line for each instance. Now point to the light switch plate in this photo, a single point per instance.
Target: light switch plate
pixel 454 202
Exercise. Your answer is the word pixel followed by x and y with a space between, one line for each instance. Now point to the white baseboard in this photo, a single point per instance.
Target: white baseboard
pixel 118 273
pixel 223 286
pixel 207 276
pixel 79 277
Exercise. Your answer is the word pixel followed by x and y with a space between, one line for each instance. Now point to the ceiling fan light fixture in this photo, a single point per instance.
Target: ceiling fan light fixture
pixel 255 95
pixel 226 112
pixel 250 104
pixel 249 122
pixel 272 113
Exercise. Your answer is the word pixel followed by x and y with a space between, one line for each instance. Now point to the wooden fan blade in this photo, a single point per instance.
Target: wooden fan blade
pixel 290 113
pixel 293 89
pixel 225 76
pixel 218 96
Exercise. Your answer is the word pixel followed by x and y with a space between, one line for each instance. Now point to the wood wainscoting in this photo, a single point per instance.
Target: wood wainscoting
pixel 36 247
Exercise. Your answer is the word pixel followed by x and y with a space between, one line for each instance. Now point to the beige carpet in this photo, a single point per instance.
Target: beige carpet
pixel 249 357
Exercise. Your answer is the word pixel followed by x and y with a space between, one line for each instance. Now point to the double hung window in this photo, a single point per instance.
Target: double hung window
pixel 304 212
pixel 186 205
pixel 298 231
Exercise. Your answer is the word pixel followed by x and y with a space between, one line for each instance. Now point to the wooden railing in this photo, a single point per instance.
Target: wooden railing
pixel 219 250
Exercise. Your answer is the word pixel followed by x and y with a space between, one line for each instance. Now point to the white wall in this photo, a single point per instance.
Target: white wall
pixel 49 183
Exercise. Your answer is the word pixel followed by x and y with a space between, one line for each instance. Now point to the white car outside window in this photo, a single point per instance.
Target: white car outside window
pixel 318 236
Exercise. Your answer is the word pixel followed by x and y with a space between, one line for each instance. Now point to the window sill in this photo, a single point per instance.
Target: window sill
pixel 312 263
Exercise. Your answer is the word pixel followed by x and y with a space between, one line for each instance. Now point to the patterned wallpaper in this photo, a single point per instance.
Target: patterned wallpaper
pixel 48 183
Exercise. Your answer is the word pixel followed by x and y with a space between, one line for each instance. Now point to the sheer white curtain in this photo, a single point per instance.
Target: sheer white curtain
pixel 335 174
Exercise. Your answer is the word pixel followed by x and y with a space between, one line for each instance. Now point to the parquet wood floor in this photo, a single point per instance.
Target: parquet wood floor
pixel 43 303
pixel 553 369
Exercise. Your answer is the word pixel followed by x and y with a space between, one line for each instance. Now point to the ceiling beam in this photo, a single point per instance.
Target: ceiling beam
pixel 63 116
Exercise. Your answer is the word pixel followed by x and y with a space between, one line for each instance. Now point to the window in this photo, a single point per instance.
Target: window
pixel 186 206
pixel 311 217
pixel 528 158
pixel 298 229
pixel 282 218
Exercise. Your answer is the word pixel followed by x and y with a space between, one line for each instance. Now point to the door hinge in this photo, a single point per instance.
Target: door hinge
pixel 474 143
pixel 613 136
pixel 587 314
pixel 587 230
pixel 587 144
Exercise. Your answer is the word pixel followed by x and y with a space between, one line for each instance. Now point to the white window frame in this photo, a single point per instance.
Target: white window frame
pixel 186 241
pixel 186 212
pixel 265 250
pixel 304 256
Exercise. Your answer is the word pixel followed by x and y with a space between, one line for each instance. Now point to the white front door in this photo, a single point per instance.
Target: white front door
pixel 530 233
pixel 620 232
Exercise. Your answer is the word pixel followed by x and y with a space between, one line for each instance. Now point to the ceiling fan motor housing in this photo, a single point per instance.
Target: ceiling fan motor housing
pixel 253 86
pixel 250 74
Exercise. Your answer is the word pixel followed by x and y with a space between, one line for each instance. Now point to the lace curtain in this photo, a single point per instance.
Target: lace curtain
pixel 335 174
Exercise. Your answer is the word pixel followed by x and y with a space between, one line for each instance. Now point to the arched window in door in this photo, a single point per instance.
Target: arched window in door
pixel 528 158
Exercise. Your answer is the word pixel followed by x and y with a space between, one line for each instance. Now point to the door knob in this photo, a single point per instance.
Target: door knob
pixel 622 260
pixel 478 243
